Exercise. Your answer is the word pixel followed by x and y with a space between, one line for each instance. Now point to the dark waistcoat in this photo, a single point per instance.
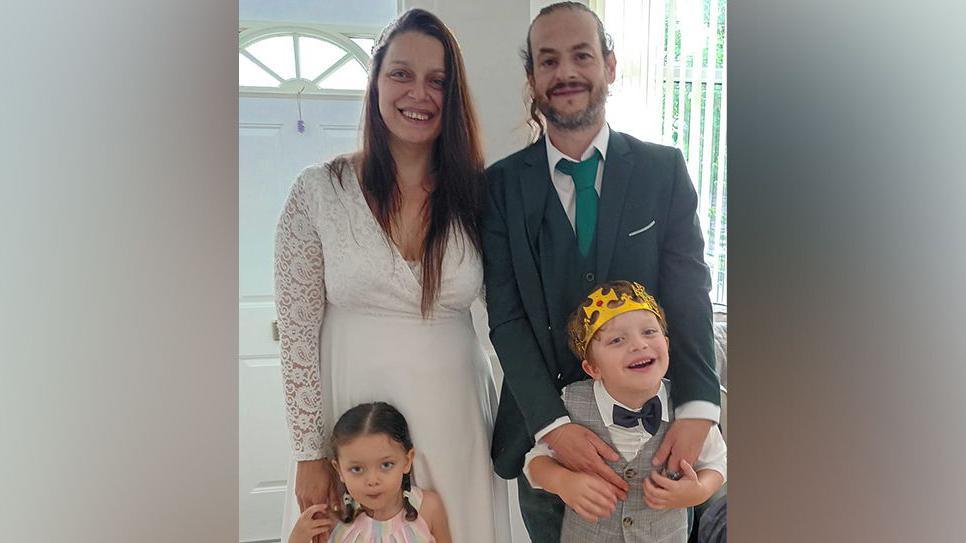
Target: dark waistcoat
pixel 567 278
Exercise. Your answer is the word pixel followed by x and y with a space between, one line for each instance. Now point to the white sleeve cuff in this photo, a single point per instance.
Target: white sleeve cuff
pixel 550 427
pixel 698 409
pixel 714 454
pixel 540 449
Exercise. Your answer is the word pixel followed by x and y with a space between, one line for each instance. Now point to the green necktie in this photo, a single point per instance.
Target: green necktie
pixel 585 219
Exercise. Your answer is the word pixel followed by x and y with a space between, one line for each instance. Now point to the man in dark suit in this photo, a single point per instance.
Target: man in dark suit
pixel 584 205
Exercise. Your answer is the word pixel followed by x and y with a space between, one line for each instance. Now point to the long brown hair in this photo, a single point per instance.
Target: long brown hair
pixel 457 156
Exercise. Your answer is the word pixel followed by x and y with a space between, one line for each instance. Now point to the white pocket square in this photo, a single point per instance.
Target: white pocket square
pixel 636 232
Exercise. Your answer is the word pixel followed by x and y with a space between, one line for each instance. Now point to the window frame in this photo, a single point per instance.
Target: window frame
pixel 667 82
pixel 250 32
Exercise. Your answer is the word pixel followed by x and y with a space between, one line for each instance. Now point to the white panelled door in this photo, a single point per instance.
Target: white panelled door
pixel 271 153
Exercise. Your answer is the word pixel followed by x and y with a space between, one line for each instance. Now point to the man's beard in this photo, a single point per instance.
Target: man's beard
pixel 574 121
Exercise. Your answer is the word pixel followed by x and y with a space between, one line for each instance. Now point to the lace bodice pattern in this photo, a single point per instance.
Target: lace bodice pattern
pixel 329 251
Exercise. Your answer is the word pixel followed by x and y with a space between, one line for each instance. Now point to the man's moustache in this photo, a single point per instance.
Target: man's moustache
pixel 582 86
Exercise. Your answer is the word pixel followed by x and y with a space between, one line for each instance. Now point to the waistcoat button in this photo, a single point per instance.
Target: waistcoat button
pixel 629 473
pixel 628 521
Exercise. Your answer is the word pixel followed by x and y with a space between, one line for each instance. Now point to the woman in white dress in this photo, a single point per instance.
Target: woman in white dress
pixel 377 262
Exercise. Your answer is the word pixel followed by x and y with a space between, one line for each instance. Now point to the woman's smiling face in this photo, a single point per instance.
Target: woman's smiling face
pixel 411 83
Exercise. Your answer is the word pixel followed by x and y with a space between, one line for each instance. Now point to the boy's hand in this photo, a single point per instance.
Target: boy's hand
pixel 683 441
pixel 661 492
pixel 307 527
pixel 579 449
pixel 589 495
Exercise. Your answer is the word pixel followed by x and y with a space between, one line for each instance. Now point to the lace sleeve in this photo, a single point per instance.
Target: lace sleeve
pixel 300 303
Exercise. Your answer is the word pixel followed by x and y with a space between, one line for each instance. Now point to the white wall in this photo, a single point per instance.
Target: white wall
pixel 363 13
pixel 537 5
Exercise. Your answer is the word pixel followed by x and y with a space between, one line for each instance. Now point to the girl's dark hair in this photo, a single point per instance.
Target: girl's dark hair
pixel 457 155
pixel 536 120
pixel 368 419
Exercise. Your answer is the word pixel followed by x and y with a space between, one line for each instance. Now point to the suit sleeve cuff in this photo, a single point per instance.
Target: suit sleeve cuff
pixel 551 427
pixel 540 449
pixel 698 409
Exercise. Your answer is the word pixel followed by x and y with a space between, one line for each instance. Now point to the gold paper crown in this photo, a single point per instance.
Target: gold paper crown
pixel 600 307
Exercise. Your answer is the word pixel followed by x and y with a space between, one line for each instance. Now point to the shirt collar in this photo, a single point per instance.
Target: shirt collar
pixel 606 403
pixel 599 142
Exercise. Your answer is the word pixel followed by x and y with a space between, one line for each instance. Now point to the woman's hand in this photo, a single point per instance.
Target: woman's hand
pixel 314 521
pixel 316 484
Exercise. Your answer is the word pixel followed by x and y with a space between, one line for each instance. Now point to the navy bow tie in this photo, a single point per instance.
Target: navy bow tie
pixel 649 416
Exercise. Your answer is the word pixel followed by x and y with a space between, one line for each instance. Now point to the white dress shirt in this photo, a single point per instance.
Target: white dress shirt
pixel 564 185
pixel 628 441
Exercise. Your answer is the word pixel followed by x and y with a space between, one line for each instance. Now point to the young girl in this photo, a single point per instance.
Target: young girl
pixel 374 460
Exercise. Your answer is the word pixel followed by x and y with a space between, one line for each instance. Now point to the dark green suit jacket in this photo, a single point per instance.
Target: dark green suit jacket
pixel 647 231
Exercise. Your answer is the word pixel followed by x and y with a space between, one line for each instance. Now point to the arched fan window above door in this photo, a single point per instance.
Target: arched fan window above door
pixel 288 60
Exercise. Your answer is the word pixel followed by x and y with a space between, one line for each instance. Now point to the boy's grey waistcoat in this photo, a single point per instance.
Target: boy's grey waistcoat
pixel 633 520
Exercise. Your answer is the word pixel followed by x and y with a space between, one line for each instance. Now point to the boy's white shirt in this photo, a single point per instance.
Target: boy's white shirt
pixel 563 184
pixel 628 441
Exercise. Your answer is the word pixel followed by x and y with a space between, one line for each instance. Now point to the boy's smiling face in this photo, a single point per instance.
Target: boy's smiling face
pixel 629 355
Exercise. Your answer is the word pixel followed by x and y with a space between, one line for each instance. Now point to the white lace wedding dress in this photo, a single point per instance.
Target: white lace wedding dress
pixel 351 332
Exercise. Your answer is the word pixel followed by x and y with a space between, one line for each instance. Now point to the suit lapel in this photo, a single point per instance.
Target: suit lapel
pixel 613 187
pixel 534 184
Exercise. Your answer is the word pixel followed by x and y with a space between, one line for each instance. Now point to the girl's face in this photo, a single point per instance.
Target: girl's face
pixel 411 83
pixel 372 467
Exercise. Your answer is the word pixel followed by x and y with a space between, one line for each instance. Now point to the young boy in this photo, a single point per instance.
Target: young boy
pixel 620 335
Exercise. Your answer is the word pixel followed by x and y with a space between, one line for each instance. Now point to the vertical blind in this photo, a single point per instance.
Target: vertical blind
pixel 671 89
